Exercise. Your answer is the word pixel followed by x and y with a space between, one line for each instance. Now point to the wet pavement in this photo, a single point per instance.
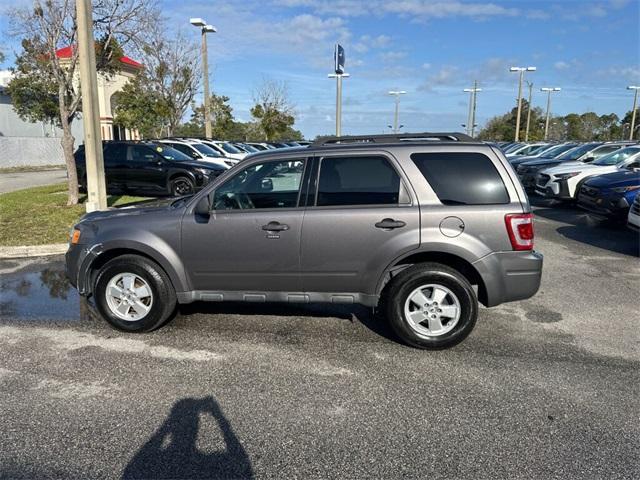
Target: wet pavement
pixel 545 388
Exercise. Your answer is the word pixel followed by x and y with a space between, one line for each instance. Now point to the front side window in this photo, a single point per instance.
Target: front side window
pixel 367 180
pixel 462 178
pixel 272 184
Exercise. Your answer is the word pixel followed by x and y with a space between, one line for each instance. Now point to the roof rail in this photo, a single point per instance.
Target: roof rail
pixel 397 138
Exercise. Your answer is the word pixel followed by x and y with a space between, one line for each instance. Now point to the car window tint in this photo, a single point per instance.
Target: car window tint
pixel 140 153
pixel 184 149
pixel 357 181
pixel 462 178
pixel 273 184
pixel 602 151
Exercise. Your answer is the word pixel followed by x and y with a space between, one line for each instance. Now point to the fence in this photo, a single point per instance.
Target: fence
pixel 30 152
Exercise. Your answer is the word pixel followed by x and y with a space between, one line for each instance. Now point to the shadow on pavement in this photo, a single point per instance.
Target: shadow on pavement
pixel 374 321
pixel 581 227
pixel 172 451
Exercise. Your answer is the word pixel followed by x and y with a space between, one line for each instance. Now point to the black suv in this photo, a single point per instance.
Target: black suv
pixel 147 168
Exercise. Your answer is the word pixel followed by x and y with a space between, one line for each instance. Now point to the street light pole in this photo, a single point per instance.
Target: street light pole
pixel 204 29
pixel 396 94
pixel 546 123
pixel 526 133
pixel 96 189
pixel 338 77
pixel 471 120
pixel 521 70
pixel 634 110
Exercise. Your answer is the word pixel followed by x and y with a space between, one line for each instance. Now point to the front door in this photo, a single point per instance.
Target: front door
pixel 251 241
pixel 145 169
pixel 361 218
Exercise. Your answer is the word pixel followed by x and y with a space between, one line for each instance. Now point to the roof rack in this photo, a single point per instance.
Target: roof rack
pixel 397 138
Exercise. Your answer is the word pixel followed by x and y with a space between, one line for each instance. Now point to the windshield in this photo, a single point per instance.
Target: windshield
pixel 577 152
pixel 617 156
pixel 557 150
pixel 512 147
pixel 206 151
pixel 250 148
pixel 170 153
pixel 537 148
pixel 227 147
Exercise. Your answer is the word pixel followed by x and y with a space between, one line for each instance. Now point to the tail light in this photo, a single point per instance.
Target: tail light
pixel 520 230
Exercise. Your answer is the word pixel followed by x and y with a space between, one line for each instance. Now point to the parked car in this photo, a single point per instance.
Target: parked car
pixel 571 175
pixel 551 152
pixel 364 238
pixel 556 185
pixel 611 195
pixel 261 146
pixel 149 169
pixel 198 151
pixel 226 148
pixel 245 147
pixel 527 149
pixel 633 219
pixel 511 147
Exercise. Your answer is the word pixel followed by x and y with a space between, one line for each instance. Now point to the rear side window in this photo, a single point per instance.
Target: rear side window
pixel 462 178
pixel 357 181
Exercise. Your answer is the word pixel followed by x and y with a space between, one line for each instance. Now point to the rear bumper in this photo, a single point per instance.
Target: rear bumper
pixel 510 276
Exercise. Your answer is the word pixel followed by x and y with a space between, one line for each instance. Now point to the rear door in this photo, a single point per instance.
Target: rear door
pixel 360 216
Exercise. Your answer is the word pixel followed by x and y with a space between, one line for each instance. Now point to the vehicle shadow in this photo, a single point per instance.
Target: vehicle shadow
pixel 172 451
pixel 581 227
pixel 372 320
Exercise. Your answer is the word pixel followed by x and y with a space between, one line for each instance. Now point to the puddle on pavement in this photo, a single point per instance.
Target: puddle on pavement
pixel 39 291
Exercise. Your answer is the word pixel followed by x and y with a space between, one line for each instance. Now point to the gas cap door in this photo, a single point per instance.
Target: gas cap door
pixel 451 226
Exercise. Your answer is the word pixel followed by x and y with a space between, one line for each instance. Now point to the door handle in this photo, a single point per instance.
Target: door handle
pixel 275 227
pixel 390 224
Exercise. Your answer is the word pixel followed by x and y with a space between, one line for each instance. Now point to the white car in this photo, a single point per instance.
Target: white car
pixel 563 181
pixel 633 220
pixel 528 150
pixel 226 149
pixel 199 151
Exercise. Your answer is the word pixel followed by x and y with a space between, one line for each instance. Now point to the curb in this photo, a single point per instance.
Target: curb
pixel 26 251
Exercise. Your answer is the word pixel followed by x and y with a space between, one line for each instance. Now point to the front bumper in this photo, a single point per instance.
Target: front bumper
pixel 78 259
pixel 554 188
pixel 603 205
pixel 510 276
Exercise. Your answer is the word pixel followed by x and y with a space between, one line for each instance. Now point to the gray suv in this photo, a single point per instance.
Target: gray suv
pixel 423 226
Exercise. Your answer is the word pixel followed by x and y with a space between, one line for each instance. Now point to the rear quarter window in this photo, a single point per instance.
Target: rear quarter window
pixel 462 178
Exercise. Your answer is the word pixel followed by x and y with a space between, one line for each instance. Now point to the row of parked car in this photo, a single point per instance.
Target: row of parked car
pixel 169 166
pixel 601 177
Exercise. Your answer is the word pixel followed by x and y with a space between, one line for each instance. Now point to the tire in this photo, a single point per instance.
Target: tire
pixel 180 186
pixel 151 311
pixel 455 294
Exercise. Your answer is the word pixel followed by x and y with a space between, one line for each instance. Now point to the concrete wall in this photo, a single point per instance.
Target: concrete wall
pixel 30 151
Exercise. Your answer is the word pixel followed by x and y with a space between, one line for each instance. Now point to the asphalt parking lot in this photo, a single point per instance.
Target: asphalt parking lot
pixel 544 388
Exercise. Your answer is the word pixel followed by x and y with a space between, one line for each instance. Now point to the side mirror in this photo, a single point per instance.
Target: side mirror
pixel 203 207
pixel 588 160
pixel 266 185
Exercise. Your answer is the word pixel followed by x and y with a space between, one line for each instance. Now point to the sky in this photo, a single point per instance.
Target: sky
pixel 430 49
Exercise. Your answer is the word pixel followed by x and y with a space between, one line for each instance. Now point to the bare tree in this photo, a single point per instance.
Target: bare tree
pixel 172 73
pixel 273 110
pixel 42 76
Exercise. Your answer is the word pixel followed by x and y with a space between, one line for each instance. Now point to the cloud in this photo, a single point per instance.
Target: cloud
pixel 561 65
pixel 390 57
pixel 367 42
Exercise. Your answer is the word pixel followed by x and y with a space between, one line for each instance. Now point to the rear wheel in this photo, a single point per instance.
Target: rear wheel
pixel 431 306
pixel 180 186
pixel 134 294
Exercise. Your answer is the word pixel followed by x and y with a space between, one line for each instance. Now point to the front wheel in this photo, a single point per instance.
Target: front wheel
pixel 181 186
pixel 134 294
pixel 431 306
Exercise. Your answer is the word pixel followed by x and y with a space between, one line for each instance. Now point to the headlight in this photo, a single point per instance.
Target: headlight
pixel 626 189
pixel 564 176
